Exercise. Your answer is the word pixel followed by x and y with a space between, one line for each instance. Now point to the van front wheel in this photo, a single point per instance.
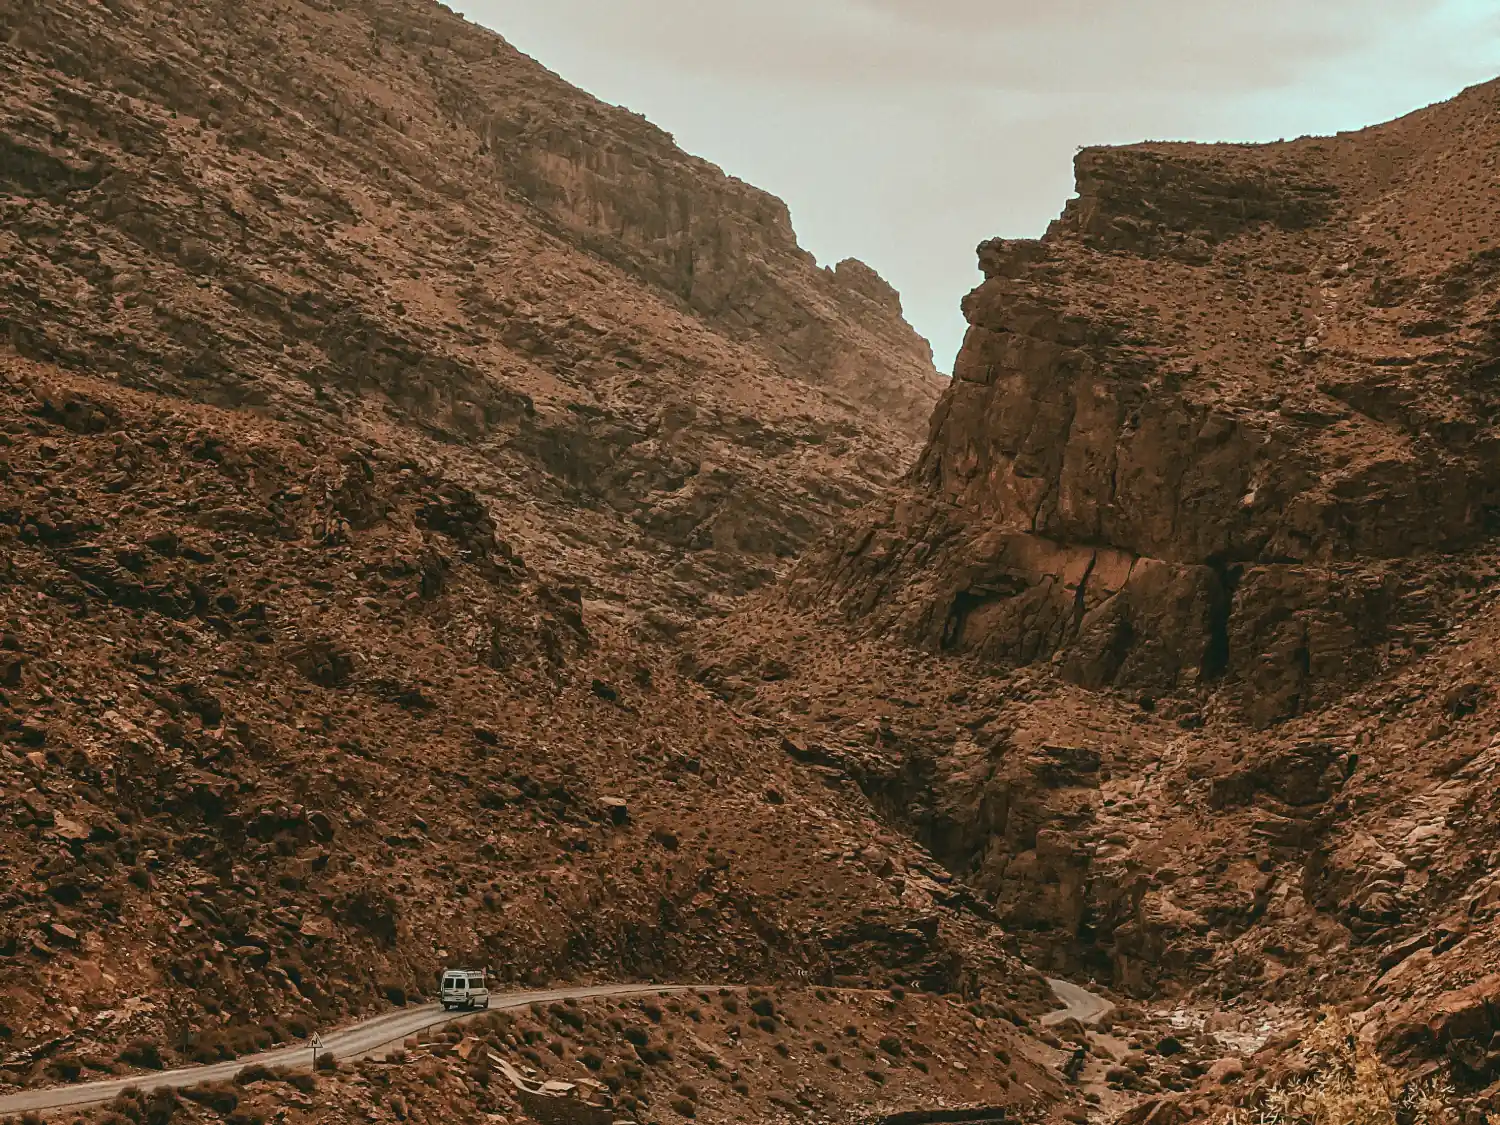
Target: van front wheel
pixel 486 1003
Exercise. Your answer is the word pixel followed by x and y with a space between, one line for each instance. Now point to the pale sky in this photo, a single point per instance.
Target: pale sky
pixel 904 132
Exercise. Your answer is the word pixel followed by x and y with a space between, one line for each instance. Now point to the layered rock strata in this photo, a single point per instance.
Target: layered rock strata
pixel 1232 419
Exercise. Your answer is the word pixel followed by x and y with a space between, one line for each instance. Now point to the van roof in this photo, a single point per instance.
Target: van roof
pixel 447 971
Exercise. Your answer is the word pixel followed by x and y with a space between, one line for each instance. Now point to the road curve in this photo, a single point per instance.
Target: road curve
pixel 1079 1003
pixel 371 1035
pixel 352 1042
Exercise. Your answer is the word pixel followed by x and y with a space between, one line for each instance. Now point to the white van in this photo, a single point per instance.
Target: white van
pixel 464 988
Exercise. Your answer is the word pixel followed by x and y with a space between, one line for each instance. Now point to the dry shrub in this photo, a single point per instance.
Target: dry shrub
pixel 222 1097
pixel 255 1072
pixel 1349 1085
pixel 64 1068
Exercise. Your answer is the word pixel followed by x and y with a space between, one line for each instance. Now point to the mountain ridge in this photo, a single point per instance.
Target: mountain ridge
pixel 442 522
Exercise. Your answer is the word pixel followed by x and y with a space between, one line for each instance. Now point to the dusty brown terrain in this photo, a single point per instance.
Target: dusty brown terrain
pixel 709 1056
pixel 1179 644
pixel 290 726
pixel 376 408
pixel 378 215
pixel 1230 424
pixel 399 452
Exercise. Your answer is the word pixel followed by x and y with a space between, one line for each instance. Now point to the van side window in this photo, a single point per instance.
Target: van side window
pixel 476 982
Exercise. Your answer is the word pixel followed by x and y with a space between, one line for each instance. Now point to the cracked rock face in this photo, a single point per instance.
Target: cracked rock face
pixel 1217 424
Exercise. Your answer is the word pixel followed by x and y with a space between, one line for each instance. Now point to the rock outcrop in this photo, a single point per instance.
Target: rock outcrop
pixel 1202 552
pixel 1231 420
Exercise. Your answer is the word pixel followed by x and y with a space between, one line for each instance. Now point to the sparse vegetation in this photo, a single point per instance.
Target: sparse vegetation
pixel 145 1053
pixel 1347 1085
pixel 338 629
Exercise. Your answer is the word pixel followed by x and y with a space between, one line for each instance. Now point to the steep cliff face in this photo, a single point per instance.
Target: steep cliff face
pixel 727 250
pixel 1231 421
pixel 1204 545
pixel 614 183
pixel 378 212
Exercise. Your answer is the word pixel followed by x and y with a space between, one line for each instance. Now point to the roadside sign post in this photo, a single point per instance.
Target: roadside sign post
pixel 317 1045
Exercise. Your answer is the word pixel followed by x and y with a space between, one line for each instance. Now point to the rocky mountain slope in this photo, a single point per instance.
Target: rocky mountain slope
pixel 1179 643
pixel 380 215
pixel 374 408
pixel 395 447
pixel 1232 421
pixel 288 726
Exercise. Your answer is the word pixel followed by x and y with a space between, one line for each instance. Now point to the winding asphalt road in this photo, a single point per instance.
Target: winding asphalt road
pixel 371 1035
pixel 1079 1003
pixel 352 1042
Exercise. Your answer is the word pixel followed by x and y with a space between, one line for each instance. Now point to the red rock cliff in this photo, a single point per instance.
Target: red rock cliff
pixel 1232 419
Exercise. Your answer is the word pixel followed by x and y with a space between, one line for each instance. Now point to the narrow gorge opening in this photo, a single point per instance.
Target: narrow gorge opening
pixel 1216 654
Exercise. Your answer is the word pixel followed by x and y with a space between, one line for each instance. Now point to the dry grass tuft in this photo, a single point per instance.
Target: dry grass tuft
pixel 1349 1085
